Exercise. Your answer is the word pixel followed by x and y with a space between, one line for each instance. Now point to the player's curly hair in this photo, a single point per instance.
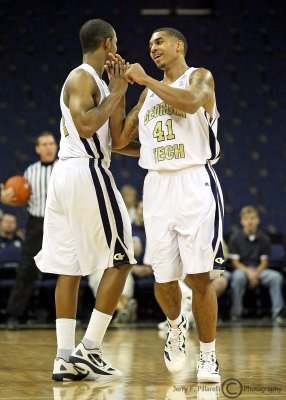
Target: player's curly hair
pixel 93 33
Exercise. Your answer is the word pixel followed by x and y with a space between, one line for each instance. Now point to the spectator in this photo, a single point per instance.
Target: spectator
pixel 129 194
pixel 38 175
pixel 249 252
pixel 10 243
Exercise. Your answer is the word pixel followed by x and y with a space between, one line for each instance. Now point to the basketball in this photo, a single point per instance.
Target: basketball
pixel 21 189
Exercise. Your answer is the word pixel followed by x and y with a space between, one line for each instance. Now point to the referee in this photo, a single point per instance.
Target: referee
pixel 38 175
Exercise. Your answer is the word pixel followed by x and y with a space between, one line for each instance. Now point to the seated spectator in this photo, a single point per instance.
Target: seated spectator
pixel 10 243
pixel 249 252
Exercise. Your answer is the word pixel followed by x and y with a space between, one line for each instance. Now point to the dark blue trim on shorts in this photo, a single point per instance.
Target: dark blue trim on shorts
pixel 212 139
pixel 110 191
pixel 219 198
pixel 109 188
pixel 218 209
pixel 99 194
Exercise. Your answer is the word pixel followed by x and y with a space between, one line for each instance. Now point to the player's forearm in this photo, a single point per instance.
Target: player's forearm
pixel 92 120
pixel 116 121
pixel 181 99
pixel 132 150
pixel 129 131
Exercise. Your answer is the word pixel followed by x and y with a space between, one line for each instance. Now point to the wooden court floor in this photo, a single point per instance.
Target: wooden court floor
pixel 252 360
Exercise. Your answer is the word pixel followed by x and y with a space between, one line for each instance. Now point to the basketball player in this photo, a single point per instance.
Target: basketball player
pixel 86 223
pixel 182 200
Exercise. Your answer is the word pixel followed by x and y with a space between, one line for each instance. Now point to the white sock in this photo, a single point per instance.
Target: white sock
pixel 65 330
pixel 177 321
pixel 96 329
pixel 207 348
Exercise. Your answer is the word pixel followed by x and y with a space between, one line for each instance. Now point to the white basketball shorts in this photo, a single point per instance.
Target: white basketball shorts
pixel 183 212
pixel 86 224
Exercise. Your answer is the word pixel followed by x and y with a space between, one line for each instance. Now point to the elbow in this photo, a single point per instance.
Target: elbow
pixel 85 130
pixel 118 145
pixel 193 108
pixel 119 141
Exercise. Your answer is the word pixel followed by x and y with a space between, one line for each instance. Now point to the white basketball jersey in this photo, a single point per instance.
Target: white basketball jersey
pixel 172 139
pixel 72 145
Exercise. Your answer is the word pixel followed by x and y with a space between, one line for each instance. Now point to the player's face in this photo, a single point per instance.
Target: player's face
pixel 47 149
pixel 113 49
pixel 250 223
pixel 163 48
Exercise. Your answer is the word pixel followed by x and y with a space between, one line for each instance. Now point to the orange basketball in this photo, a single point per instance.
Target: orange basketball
pixel 21 189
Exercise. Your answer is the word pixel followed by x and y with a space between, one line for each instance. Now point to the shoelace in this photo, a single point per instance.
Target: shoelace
pixel 174 341
pixel 207 364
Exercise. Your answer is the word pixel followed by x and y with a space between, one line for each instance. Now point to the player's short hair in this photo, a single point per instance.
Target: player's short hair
pixel 246 210
pixel 175 33
pixel 93 33
pixel 43 134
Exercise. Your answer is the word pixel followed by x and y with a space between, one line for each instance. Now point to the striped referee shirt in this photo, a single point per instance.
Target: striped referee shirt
pixel 38 176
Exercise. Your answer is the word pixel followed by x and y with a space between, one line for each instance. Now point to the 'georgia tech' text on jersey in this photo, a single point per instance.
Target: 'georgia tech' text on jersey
pixel 74 146
pixel 172 139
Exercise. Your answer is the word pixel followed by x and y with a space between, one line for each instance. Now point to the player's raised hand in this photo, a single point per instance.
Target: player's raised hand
pixel 135 73
pixel 112 60
pixel 116 71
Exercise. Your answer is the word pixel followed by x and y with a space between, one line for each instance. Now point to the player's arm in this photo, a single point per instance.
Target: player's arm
pixel 82 97
pixel 132 149
pixel 124 131
pixel 189 100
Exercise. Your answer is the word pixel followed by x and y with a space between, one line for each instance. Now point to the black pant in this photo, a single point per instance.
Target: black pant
pixel 27 271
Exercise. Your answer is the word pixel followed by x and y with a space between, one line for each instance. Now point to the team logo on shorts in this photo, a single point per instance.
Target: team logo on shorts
pixel 219 260
pixel 118 256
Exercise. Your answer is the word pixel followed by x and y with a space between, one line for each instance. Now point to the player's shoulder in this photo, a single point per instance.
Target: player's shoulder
pixel 80 76
pixel 201 72
pixel 79 73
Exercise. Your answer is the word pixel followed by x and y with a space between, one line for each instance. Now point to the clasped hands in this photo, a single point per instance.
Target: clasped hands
pixel 117 66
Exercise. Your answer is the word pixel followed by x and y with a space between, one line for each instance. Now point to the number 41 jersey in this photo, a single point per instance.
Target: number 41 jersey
pixel 172 139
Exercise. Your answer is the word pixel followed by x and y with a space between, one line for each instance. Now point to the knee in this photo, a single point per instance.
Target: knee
pixel 167 287
pixel 238 278
pixel 198 282
pixel 124 269
pixel 277 278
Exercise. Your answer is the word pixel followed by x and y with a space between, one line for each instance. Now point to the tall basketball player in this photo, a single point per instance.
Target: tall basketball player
pixel 183 206
pixel 86 224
